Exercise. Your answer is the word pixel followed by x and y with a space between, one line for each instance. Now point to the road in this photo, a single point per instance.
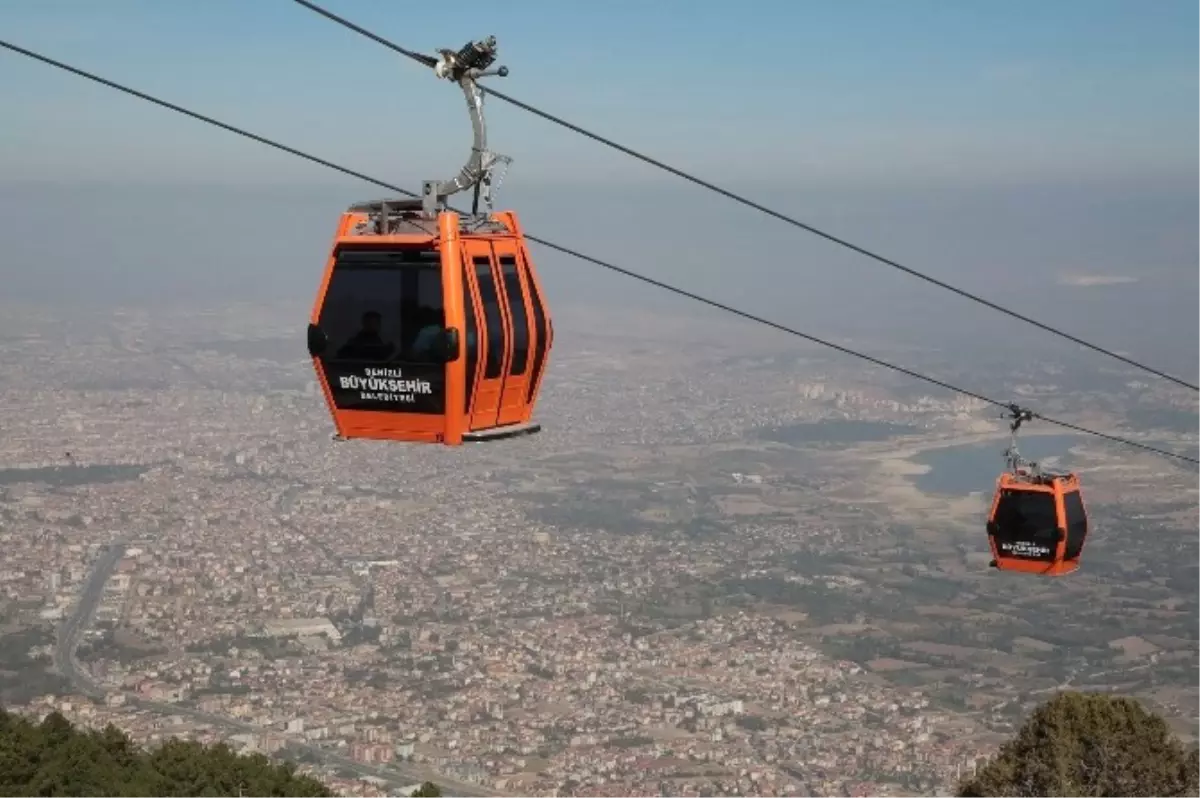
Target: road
pixel 71 631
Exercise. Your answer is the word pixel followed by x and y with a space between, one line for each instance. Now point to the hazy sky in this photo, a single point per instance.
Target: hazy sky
pixel 1028 150
pixel 867 90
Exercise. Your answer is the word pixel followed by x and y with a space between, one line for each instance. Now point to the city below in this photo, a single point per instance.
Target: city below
pixel 735 566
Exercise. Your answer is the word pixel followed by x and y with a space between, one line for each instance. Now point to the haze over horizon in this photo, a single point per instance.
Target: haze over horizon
pixel 730 562
pixel 1044 160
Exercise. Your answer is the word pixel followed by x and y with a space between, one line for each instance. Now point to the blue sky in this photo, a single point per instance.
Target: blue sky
pixel 856 91
pixel 1022 150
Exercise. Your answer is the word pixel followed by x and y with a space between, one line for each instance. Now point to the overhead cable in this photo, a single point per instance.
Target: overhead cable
pixel 759 206
pixel 588 258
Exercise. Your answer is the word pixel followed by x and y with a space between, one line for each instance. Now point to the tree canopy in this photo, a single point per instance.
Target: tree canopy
pixel 54 758
pixel 427 790
pixel 1090 744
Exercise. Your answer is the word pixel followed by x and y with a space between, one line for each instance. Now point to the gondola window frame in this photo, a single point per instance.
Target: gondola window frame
pixel 514 292
pixel 493 317
pixel 543 333
pixel 470 341
pixel 1077 523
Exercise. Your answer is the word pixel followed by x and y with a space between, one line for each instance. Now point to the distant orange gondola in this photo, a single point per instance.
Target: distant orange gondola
pixel 430 326
pixel 1037 522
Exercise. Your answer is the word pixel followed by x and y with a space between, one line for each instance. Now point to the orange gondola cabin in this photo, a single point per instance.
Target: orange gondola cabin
pixel 430 326
pixel 1037 523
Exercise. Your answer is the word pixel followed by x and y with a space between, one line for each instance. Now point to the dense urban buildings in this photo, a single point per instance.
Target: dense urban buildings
pixel 735 566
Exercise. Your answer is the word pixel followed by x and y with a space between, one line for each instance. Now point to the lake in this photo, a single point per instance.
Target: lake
pixel 834 431
pixel 960 470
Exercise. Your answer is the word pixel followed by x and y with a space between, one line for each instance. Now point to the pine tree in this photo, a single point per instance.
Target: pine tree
pixel 1090 744
pixel 54 758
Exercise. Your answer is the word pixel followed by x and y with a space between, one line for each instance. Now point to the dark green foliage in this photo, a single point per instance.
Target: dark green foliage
pixel 55 758
pixel 1090 744
pixel 427 790
pixel 23 677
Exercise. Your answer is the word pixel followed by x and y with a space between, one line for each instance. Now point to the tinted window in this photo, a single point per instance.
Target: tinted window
pixel 377 302
pixel 541 333
pixel 472 336
pixel 375 308
pixel 516 307
pixel 1077 524
pixel 1027 525
pixel 496 343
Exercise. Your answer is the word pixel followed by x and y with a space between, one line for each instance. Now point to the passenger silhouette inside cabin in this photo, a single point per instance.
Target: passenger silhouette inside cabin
pixel 429 333
pixel 367 344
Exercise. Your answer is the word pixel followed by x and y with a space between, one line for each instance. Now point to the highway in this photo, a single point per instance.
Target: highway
pixel 70 633
pixel 71 630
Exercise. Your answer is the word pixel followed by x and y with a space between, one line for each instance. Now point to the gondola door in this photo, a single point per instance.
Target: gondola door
pixel 514 300
pixel 381 345
pixel 493 334
pixel 542 327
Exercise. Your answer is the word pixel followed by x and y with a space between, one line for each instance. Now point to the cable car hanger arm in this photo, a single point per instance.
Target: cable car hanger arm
pixel 1016 463
pixel 762 208
pixel 466 67
pixel 583 256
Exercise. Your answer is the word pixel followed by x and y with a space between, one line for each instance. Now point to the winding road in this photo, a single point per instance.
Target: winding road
pixel 70 633
pixel 71 630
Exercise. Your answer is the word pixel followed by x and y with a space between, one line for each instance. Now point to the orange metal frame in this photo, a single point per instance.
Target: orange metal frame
pixel 507 399
pixel 1058 488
